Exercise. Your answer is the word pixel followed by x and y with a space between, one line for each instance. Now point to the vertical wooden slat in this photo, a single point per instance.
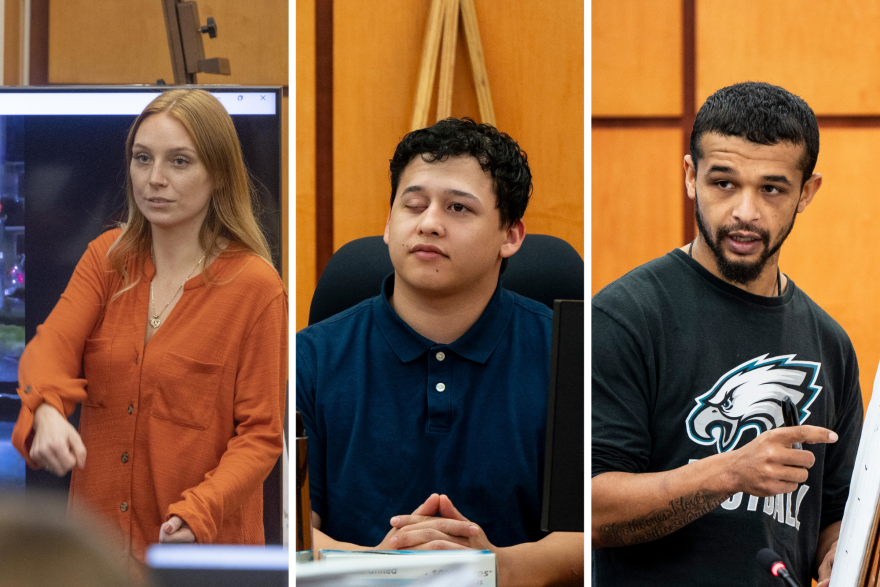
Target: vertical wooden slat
pixel 447 60
pixel 478 61
pixel 323 134
pixel 39 45
pixel 428 67
pixel 689 100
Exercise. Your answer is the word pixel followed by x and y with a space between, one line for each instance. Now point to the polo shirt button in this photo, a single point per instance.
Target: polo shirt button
pixel 125 457
pixel 136 360
pixel 131 409
pixel 124 506
pixel 441 387
pixel 27 389
pixel 441 355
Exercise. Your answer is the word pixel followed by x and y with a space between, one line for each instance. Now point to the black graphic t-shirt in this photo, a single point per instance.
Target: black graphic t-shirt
pixel 686 366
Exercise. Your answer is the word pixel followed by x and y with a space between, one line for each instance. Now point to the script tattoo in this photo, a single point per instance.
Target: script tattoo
pixel 679 513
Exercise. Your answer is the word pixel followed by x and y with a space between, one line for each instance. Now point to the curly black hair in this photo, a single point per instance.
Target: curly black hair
pixel 760 113
pixel 496 152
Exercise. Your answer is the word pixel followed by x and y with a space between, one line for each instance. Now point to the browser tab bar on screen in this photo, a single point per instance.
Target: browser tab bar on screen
pixel 117 103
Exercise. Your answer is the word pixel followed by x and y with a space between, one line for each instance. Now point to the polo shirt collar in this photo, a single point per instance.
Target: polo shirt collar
pixel 476 344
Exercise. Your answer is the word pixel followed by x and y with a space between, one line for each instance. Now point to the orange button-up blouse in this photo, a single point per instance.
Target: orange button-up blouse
pixel 188 425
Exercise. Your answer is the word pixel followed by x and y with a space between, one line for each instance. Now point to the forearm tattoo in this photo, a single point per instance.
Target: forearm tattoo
pixel 662 521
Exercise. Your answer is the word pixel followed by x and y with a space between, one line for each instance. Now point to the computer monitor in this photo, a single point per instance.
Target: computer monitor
pixel 217 565
pixel 563 499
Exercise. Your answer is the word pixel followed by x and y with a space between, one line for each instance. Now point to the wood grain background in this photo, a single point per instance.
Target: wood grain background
pixel 534 58
pixel 825 51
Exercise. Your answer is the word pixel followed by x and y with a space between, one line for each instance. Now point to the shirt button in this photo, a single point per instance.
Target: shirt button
pixel 131 409
pixel 124 506
pixel 27 389
pixel 440 387
pixel 136 360
pixel 125 457
pixel 440 356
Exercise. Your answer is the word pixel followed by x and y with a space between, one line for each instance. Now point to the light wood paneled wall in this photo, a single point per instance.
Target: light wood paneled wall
pixel 305 159
pixel 112 42
pixel 637 58
pixel 825 52
pixel 832 252
pixel 634 219
pixel 12 42
pixel 534 58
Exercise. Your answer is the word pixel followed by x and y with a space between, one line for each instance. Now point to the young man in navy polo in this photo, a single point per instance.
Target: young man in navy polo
pixel 434 393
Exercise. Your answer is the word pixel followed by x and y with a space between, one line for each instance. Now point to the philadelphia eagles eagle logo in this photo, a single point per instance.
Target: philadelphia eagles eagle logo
pixel 750 397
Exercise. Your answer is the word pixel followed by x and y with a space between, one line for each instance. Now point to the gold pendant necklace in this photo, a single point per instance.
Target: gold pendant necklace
pixel 154 321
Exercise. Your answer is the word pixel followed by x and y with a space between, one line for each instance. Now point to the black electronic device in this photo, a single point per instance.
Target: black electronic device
pixel 790 417
pixel 218 565
pixel 563 498
pixel 772 563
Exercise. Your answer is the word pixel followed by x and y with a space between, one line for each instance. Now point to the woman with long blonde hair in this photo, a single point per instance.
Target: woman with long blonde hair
pixel 172 333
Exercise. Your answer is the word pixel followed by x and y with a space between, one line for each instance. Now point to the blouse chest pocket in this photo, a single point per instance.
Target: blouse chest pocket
pixel 187 391
pixel 97 369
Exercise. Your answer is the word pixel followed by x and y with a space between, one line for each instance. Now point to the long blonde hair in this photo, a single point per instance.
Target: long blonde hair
pixel 230 211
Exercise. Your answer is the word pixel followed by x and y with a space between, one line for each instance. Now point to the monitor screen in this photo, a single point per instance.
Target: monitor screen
pixel 563 499
pixel 62 183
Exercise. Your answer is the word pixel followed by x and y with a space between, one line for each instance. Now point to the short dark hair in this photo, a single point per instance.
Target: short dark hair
pixel 762 114
pixel 495 151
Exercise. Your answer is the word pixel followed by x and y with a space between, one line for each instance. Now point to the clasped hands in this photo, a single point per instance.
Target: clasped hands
pixel 425 530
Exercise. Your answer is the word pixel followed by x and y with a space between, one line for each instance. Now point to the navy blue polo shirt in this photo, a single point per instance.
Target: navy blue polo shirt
pixel 392 417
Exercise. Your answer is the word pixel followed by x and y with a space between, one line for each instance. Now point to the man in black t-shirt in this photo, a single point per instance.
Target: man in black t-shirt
pixel 694 354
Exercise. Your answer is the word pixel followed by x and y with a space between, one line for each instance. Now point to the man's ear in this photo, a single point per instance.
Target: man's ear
pixel 690 177
pixel 387 227
pixel 513 239
pixel 809 191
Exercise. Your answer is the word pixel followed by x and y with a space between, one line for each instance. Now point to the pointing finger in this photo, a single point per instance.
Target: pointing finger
pixel 809 434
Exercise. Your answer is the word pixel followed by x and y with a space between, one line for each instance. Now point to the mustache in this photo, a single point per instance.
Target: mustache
pixel 724 231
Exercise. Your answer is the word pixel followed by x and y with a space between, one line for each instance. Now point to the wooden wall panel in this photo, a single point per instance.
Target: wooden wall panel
pixel 12 42
pixel 825 51
pixel 832 252
pixel 112 42
pixel 534 58
pixel 637 57
pixel 637 199
pixel 305 159
pixel 285 190
pixel 377 49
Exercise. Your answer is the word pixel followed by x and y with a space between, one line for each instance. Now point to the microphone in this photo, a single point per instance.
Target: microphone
pixel 772 562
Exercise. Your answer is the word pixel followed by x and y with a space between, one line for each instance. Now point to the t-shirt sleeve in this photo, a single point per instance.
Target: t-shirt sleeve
pixel 306 399
pixel 840 457
pixel 621 439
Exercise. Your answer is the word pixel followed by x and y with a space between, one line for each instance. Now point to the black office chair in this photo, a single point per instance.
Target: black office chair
pixel 545 268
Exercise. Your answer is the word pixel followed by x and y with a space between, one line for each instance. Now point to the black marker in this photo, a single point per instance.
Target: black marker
pixel 790 418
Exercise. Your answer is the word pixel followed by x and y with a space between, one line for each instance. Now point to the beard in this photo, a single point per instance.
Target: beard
pixel 743 272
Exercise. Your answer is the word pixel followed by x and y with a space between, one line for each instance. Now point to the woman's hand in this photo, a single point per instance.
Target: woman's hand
pixel 57 446
pixel 176 530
